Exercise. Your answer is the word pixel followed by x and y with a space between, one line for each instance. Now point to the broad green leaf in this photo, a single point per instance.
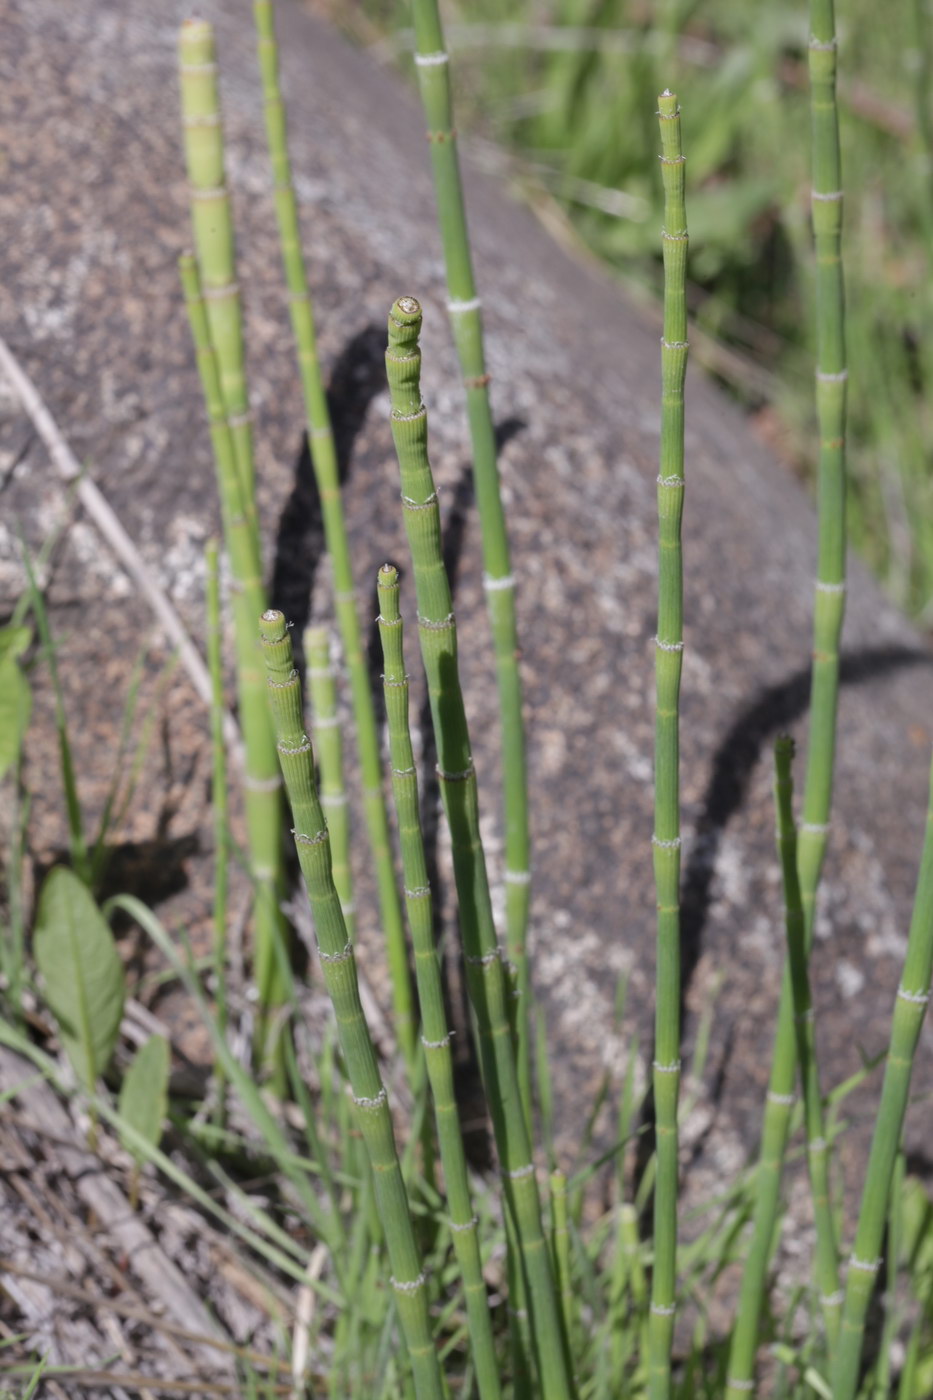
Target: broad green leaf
pixel 15 704
pixel 144 1093
pixel 78 959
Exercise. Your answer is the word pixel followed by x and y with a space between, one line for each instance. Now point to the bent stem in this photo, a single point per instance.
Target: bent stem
pixel 467 325
pixel 338 964
pixel 436 1034
pixel 910 1006
pixel 668 659
pixel 486 981
pixel 327 477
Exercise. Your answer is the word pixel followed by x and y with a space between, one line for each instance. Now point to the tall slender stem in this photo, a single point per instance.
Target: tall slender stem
pixel 338 964
pixel 325 726
pixel 486 981
pixel 668 659
pixel 828 612
pixel 219 806
pixel 467 324
pixel 910 1006
pixel 827 1252
pixel 327 476
pixel 262 783
pixel 436 1034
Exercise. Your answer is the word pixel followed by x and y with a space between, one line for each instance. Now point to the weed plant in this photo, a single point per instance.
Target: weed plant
pixel 426 1277
pixel 555 84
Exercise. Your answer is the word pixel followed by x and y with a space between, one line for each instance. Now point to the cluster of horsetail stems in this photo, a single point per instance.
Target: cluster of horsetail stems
pixel 827 1250
pixel 487 984
pixel 213 298
pixel 435 1032
pixel 338 966
pixel 668 660
pixel 463 304
pixel 913 995
pixel 829 608
pixel 327 476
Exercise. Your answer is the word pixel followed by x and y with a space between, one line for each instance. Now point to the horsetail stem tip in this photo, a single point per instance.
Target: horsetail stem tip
pixel 408 306
pixel 388 575
pixel 272 625
pixel 784 744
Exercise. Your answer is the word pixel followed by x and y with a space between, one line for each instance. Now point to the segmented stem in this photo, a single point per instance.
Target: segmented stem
pixel 212 228
pixel 261 783
pixel 486 981
pixel 831 381
pixel 325 726
pixel 910 1006
pixel 219 804
pixel 467 325
pixel 668 659
pixel 435 1033
pixel 327 476
pixel 829 608
pixel 827 1252
pixel 338 966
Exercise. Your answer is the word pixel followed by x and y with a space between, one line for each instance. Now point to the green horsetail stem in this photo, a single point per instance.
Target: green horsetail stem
pixel 910 1006
pixel 560 1244
pixel 262 782
pixel 467 324
pixel 327 476
pixel 487 985
pixel 829 607
pixel 338 965
pixel 325 726
pixel 212 227
pixel 669 646
pixel 831 380
pixel 219 804
pixel 827 1252
pixel 435 1036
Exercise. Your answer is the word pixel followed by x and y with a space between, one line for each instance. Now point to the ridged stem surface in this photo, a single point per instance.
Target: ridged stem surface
pixel 262 782
pixel 831 381
pixel 325 727
pixel 219 804
pixel 910 1006
pixel 828 612
pixel 435 1033
pixel 666 838
pixel 467 323
pixel 327 476
pixel 338 966
pixel 212 227
pixel 487 984
pixel 827 1251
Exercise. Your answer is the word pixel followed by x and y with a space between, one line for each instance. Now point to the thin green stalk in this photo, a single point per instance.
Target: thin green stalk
pixel 560 1244
pixel 338 965
pixel 829 608
pixel 325 727
pixel 212 229
pixel 831 380
pixel 219 806
pixel 467 324
pixel 666 839
pixel 327 476
pixel 486 981
pixel 827 1252
pixel 881 1387
pixel 262 783
pixel 910 1007
pixel 435 1036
